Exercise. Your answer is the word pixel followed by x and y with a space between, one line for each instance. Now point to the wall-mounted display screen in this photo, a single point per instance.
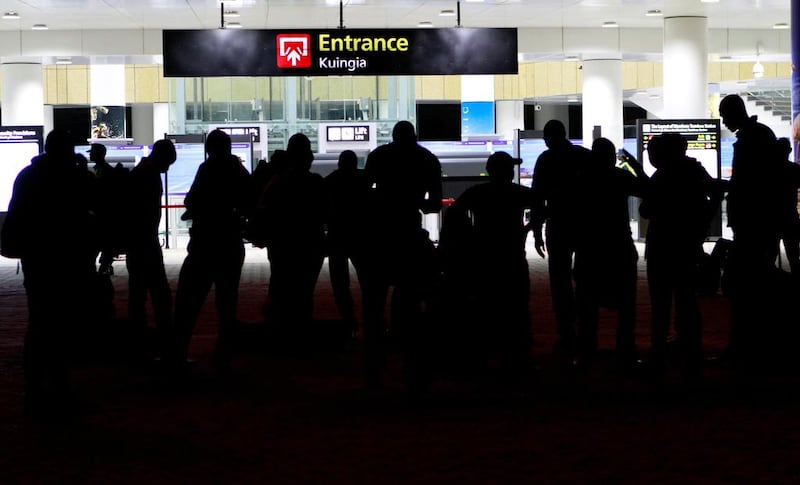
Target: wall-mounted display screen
pixel 348 133
pixel 477 118
pixel 702 136
pixel 18 145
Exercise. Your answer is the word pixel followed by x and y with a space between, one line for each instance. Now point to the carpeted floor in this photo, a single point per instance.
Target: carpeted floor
pixel 291 416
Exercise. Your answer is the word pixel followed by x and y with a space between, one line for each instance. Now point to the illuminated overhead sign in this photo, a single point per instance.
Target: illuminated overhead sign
pixel 348 133
pixel 357 52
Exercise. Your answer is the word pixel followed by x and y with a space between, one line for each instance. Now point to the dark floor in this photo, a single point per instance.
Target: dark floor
pixel 303 417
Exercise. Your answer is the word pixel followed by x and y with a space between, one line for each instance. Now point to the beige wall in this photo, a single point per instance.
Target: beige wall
pixel 146 83
pixel 70 84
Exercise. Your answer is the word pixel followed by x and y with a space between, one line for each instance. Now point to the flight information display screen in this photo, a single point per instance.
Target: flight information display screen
pixel 702 137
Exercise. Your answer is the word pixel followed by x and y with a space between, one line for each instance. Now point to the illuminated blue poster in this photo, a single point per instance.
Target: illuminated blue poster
pixel 477 118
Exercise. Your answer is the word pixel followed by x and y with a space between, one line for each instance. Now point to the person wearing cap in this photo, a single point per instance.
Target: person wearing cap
pixel 485 231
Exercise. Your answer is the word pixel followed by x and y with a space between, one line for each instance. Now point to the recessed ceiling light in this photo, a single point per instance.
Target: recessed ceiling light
pixel 11 16
pixel 571 58
pixel 654 13
pixel 781 26
pixel 230 14
pixel 572 99
pixel 425 24
pixel 709 1
pixel 38 27
pixel 447 13
pixel 610 25
pixel 233 25
pixel 63 60
pixel 725 58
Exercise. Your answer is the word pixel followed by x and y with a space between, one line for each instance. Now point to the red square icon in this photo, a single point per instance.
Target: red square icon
pixel 294 50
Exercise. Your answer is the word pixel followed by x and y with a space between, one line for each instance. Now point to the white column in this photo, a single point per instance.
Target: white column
pixel 685 64
pixel 107 99
pixel 22 94
pixel 602 99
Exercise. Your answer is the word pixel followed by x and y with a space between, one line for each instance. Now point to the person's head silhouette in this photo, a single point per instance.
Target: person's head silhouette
pixel 604 152
pixel 784 147
pixel 163 155
pixel 554 133
pixel 218 144
pixel 348 161
pixel 674 146
pixel 500 167
pixel 655 151
pixel 404 133
pixel 97 152
pixel 733 111
pixel 299 151
pixel 59 144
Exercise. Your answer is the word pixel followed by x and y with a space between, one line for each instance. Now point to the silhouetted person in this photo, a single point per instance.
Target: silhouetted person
pixel 347 191
pixel 789 220
pixel 217 203
pixel 49 226
pixel 144 259
pixel 680 202
pixel 753 215
pixel 556 180
pixel 260 226
pixel 485 227
pixel 110 214
pixel 295 203
pixel 605 256
pixel 406 181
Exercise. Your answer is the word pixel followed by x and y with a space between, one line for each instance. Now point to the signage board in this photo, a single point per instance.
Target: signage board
pixel 348 133
pixel 702 138
pixel 18 145
pixel 336 52
pixel 253 131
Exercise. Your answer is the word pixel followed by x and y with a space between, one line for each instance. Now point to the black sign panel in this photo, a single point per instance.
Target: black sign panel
pixel 356 52
pixel 348 133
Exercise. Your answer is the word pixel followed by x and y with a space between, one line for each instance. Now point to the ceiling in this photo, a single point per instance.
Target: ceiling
pixel 260 14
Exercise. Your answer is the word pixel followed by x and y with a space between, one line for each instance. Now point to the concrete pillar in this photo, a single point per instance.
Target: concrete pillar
pixel 22 94
pixel 685 66
pixel 107 100
pixel 602 99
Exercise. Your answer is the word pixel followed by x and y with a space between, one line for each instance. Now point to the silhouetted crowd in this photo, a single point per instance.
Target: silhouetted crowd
pixel 466 298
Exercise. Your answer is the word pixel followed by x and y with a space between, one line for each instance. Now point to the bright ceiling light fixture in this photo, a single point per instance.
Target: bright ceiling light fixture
pixel 11 16
pixel 425 24
pixel 610 25
pixel 654 13
pixel 781 26
pixel 39 27
pixel 230 14
pixel 709 1
pixel 63 61
pixel 447 13
pixel 233 25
